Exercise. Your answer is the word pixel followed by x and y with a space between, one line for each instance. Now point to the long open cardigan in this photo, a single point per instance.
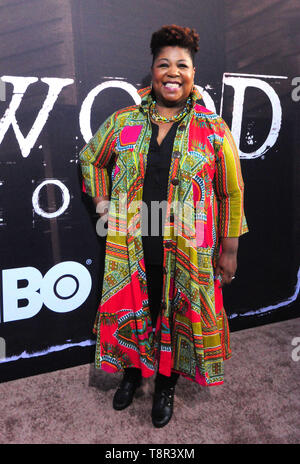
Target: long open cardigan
pixel 204 203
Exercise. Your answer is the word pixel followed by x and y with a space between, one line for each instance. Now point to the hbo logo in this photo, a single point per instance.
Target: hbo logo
pixel 63 288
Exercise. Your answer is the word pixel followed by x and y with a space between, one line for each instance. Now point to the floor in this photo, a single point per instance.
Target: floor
pixel 259 401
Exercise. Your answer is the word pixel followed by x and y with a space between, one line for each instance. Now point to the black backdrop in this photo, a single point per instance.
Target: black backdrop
pixel 51 258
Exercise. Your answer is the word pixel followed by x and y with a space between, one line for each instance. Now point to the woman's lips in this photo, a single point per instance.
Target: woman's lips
pixel 171 87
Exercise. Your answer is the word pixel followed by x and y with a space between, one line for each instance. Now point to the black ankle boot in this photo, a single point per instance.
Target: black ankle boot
pixel 162 408
pixel 124 394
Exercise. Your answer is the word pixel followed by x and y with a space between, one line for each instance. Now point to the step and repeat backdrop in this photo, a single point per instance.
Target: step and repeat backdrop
pixel 64 67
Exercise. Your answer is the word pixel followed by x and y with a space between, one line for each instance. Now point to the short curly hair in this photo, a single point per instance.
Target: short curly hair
pixel 177 36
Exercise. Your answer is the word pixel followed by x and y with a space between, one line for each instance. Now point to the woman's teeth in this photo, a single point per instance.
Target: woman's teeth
pixel 171 85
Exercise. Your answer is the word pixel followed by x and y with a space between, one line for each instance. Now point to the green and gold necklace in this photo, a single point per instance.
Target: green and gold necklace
pixel 154 114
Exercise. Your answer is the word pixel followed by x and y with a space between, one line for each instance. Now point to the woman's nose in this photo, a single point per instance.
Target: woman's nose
pixel 173 71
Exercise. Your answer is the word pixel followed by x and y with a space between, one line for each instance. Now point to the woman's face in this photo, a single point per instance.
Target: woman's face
pixel 172 76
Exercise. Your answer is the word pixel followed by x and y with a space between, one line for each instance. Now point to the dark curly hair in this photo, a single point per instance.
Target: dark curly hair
pixel 177 36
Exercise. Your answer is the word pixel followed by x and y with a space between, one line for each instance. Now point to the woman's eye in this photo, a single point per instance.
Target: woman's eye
pixel 165 65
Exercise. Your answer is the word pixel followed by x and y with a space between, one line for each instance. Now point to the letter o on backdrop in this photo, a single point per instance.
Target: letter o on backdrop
pixel 66 286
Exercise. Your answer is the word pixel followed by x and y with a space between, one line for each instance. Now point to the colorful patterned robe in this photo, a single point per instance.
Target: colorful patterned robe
pixel 205 198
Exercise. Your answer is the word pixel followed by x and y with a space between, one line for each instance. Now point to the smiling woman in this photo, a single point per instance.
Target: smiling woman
pixel 173 68
pixel 161 305
pixel 172 79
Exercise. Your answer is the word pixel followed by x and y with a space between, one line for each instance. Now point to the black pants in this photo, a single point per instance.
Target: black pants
pixel 154 275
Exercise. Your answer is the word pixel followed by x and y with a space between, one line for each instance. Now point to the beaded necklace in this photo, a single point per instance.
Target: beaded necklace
pixel 154 114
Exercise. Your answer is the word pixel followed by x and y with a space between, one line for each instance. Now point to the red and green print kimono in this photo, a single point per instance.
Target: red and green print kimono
pixel 205 200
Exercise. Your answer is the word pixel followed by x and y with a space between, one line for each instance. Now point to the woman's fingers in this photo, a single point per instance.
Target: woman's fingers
pixel 225 270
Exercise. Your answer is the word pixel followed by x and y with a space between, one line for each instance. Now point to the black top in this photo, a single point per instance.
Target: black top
pixel 155 190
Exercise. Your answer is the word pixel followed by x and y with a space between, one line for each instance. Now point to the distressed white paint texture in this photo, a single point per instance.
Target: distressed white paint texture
pixel 86 108
pixel 20 85
pixel 51 349
pixel 270 308
pixel 240 83
pixel 65 199
pixel 208 101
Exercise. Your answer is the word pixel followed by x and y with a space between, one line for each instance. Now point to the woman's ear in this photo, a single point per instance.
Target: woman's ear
pixel 194 69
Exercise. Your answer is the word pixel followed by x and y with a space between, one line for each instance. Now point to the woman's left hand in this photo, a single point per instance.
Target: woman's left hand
pixel 227 262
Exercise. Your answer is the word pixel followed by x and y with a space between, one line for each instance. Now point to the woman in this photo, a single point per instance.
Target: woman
pixel 161 304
